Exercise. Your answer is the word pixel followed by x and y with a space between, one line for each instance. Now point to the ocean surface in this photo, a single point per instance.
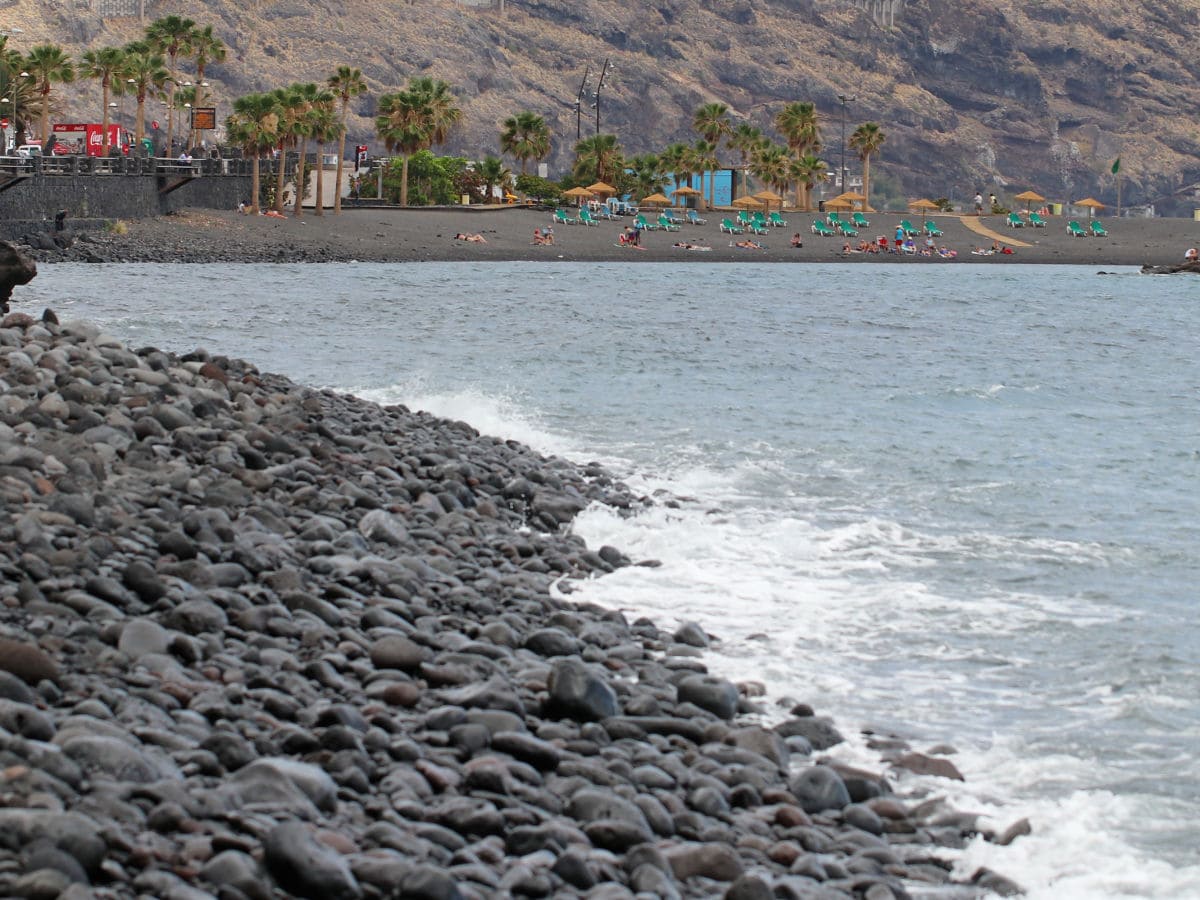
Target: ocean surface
pixel 955 503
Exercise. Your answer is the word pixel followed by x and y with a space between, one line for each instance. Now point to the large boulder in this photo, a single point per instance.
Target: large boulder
pixel 15 269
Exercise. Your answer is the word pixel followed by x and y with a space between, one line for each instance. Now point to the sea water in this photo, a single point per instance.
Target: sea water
pixel 952 502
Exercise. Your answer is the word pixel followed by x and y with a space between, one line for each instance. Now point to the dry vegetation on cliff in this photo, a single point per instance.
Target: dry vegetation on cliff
pixel 971 93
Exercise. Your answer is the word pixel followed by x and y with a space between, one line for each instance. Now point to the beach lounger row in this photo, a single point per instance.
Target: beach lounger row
pixel 1034 221
pixel 1074 229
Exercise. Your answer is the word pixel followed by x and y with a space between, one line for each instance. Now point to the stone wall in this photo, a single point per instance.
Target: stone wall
pixel 116 196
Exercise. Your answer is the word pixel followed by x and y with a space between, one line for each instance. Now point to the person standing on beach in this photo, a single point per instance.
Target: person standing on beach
pixel 978 203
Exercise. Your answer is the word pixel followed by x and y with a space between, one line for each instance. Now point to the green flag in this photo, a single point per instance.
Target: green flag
pixel 1117 166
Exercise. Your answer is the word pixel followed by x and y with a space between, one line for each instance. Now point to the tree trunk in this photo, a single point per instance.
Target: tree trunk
pixel 255 184
pixel 866 181
pixel 279 163
pixel 104 139
pixel 337 194
pixel 318 209
pixel 45 117
pixel 404 182
pixel 140 130
pixel 298 210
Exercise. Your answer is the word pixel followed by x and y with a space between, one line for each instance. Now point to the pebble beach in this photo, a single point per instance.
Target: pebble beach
pixel 260 640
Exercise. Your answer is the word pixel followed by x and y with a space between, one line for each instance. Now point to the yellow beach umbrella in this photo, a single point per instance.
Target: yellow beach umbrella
pixel 1091 203
pixel 577 194
pixel 656 200
pixel 768 197
pixel 684 191
pixel 853 196
pixel 838 203
pixel 601 188
pixel 922 204
pixel 746 202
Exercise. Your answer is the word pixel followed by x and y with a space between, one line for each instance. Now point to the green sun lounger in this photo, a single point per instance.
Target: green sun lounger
pixel 860 221
pixel 1074 229
pixel 1036 221
pixel 1098 230
pixel 778 220
pixel 1015 221
pixel 728 226
pixel 932 230
pixel 819 227
pixel 666 223
pixel 909 230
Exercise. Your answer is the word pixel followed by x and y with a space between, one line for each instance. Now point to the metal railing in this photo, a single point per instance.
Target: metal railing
pixel 126 165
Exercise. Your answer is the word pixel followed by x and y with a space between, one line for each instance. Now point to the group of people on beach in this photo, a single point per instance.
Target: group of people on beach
pixel 543 236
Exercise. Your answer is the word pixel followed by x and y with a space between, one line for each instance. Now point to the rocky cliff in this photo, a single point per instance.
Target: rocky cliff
pixel 992 95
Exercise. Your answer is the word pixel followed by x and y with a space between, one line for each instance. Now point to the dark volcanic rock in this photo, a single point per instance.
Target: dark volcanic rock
pixel 15 269
pixel 271 641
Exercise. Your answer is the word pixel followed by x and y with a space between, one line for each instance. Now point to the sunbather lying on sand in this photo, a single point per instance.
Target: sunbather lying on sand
pixel 747 245
pixel 472 238
pixel 687 245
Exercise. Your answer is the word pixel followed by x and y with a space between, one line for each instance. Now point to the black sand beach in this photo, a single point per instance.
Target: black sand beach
pixel 392 235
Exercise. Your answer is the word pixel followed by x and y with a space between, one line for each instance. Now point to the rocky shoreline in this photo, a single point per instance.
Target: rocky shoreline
pixel 259 640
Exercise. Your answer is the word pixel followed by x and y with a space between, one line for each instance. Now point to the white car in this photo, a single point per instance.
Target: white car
pixel 28 151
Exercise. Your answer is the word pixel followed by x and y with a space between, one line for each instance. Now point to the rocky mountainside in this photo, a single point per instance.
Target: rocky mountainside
pixel 972 94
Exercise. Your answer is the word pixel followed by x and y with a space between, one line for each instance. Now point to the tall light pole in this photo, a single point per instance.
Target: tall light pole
pixel 599 86
pixel 844 100
pixel 579 103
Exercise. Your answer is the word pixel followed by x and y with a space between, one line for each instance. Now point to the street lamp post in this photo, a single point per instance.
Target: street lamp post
pixel 599 86
pixel 844 100
pixel 579 103
pixel 12 89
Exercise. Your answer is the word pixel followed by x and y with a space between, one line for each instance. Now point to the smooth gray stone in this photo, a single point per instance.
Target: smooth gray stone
pixel 26 720
pixel 819 788
pixel 118 759
pixel 574 692
pixel 304 867
pixel 71 832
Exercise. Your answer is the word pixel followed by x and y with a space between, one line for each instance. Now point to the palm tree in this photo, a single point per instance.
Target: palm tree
pixel 797 122
pixel 440 112
pixel 172 36
pixel 711 122
pixel 292 110
pixel 769 164
pixel 345 83
pixel 492 172
pixel 648 177
pixel 104 65
pixel 48 64
pixel 416 119
pixel 704 155
pixel 744 138
pixel 867 139
pixel 808 171
pixel 526 136
pixel 324 126
pixel 679 162
pixel 309 99
pixel 403 128
pixel 253 127
pixel 598 155
pixel 206 48
pixel 145 74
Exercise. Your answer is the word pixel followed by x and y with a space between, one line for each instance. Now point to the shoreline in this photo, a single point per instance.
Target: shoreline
pixel 427 235
pixel 266 637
